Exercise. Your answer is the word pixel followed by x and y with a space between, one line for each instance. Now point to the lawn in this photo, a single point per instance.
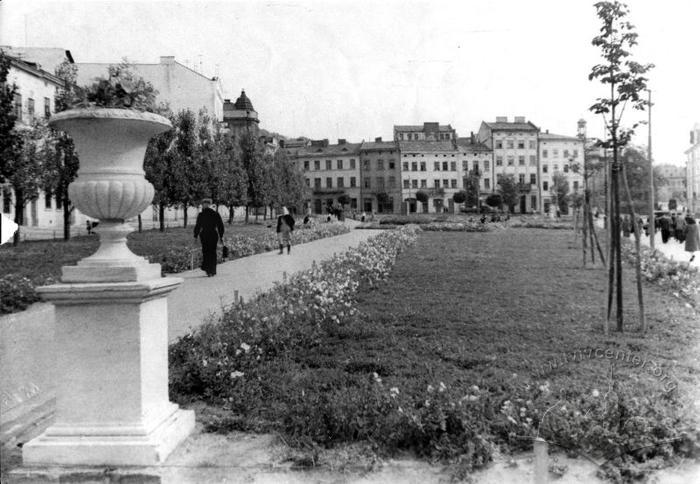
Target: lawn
pixel 42 260
pixel 483 339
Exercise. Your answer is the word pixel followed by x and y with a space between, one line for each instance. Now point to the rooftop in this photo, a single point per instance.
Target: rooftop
pixel 45 58
pixel 330 150
pixel 421 127
pixel 416 146
pixel 472 144
pixel 378 145
pixel 557 137
pixel 243 102
pixel 507 126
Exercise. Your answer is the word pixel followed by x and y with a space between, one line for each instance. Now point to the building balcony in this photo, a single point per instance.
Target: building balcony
pixel 330 191
pixel 527 187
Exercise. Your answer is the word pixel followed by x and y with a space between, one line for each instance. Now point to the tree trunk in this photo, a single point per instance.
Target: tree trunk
pixel 594 237
pixel 66 216
pixel 638 251
pixel 230 214
pixel 617 243
pixel 246 213
pixel 140 224
pixel 19 215
pixel 184 215
pixel 584 232
pixel 161 216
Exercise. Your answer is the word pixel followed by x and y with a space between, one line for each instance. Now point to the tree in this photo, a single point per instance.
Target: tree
pixel 460 196
pixel 560 191
pixel 253 164
pixel 471 188
pixel 230 176
pixel 637 172
pixel 344 199
pixel 162 170
pixel 494 200
pixel 626 80
pixel 508 189
pixel 421 196
pixel 286 185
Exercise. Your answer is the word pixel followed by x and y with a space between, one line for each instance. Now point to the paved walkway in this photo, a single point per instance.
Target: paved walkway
pixel 200 296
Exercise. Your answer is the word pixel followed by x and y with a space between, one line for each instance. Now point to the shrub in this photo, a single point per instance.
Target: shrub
pixel 16 293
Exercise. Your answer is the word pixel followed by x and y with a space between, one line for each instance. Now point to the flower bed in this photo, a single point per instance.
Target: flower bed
pixel 209 362
pixel 680 278
pixel 182 259
pixel 16 293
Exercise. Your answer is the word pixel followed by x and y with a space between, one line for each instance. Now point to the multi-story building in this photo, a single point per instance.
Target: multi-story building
pixel 476 158
pixel 514 147
pixel 240 117
pixel 35 100
pixel 427 132
pixel 693 170
pixel 563 155
pixel 332 173
pixel 177 85
pixel 380 174
pixel 674 184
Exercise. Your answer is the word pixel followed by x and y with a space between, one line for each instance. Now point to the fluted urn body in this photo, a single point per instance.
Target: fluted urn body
pixel 111 186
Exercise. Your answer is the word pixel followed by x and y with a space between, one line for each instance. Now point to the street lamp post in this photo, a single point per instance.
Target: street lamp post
pixel 651 182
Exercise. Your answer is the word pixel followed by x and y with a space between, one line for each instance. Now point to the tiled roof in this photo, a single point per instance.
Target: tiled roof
pixel 243 103
pixel 420 127
pixel 557 137
pixel 330 150
pixel 415 146
pixel 501 126
pixel 378 145
pixel 46 58
pixel 475 146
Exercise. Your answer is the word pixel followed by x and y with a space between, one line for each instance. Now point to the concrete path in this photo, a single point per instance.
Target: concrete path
pixel 201 297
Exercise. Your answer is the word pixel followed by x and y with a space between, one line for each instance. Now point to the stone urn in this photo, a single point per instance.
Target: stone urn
pixel 111 186
pixel 111 312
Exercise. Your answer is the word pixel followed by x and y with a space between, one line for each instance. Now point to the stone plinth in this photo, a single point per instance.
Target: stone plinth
pixel 112 404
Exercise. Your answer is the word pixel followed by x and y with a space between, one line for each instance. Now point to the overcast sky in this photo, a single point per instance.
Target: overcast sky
pixel 353 69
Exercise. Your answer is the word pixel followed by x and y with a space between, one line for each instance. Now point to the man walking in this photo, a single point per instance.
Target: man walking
pixel 210 229
pixel 285 226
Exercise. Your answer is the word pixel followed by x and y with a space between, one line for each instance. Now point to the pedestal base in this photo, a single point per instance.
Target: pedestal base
pixel 110 448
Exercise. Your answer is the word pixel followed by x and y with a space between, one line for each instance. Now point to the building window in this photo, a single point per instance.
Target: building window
pixel 566 168
pixel 406 184
pixel 306 165
pixel 392 165
pixel 532 144
pixel 521 178
pixel 499 177
pixel 328 165
pixel 499 144
pixel 353 182
pixel 365 164
pixel 533 160
pixel 401 136
pixel 487 183
pixel 555 153
pixel 521 160
pixel 414 166
pixel 380 164
pixel 340 164
pixel 575 154
pixel 445 183
pixel 511 161
pixel 453 165
pixel 380 183
pixel 444 166
pixel 414 183
pixel 545 186
pixel 475 166
pixel 544 153
pixel 465 165
pixel 352 163
pixel 545 168
pixel 353 203
pixel 341 182
pixel 422 166
pixel 533 202
pixel 317 165
pixel 308 182
pixel 533 179
pixel 437 183
pixel 453 183
pixel 521 144
pixel 575 185
pixel 47 199
pixel 30 109
pixel 47 107
pixel 405 166
pixel 566 153
pixel 317 183
pixel 329 182
pixel 368 182
pixel 486 165
pixel 436 166
pixel 18 106
pixel 509 144
pixel 499 161
pixel 555 167
pixel 392 182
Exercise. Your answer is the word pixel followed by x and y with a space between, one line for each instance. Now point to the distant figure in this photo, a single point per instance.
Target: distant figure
pixel 626 227
pixel 665 224
pixel 692 237
pixel 285 226
pixel 210 229
pixel 306 220
pixel 363 217
pixel 681 226
pixel 483 218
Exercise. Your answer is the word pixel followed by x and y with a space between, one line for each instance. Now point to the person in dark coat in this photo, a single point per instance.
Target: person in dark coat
pixel 210 229
pixel 285 226
pixel 680 229
pixel 692 237
pixel 665 224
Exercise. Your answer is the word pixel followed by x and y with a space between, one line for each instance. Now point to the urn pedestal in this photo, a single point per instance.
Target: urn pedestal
pixel 112 405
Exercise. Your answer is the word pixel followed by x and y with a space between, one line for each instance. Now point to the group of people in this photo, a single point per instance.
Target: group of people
pixel 209 229
pixel 682 227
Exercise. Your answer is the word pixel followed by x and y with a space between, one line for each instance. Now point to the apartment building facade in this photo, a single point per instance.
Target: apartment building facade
pixel 380 172
pixel 515 152
pixel 476 158
pixel 693 170
pixel 559 155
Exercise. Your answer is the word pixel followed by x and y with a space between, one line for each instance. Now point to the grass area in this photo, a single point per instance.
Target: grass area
pixel 41 260
pixel 463 349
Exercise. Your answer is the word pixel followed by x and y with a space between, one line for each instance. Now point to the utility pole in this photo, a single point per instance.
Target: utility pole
pixel 652 228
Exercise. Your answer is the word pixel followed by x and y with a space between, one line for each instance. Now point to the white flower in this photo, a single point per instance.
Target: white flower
pixel 245 347
pixel 236 374
pixel 430 389
pixel 475 388
pixel 442 387
pixel 595 393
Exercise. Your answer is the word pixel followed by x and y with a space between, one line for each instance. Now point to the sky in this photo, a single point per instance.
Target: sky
pixel 353 69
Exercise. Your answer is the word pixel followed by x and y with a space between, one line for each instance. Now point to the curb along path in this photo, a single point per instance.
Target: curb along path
pixel 200 296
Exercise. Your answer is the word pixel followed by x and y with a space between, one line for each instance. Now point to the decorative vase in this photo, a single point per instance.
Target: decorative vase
pixel 111 186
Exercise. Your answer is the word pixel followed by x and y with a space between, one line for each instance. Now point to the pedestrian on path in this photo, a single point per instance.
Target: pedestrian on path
pixel 665 224
pixel 210 229
pixel 285 226
pixel 692 237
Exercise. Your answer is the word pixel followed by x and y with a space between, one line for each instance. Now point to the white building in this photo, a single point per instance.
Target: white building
pixel 563 155
pixel 693 170
pixel 177 85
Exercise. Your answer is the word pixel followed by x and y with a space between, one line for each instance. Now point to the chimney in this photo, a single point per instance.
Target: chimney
pixel 692 137
pixel 501 119
pixel 378 139
pixel 341 141
pixel 167 59
pixel 520 119
pixel 472 137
